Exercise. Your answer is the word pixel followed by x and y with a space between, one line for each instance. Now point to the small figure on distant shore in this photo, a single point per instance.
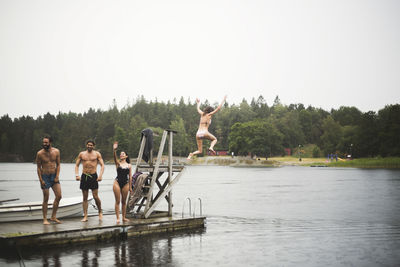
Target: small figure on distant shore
pixel 89 180
pixel 202 132
pixel 48 170
pixel 123 183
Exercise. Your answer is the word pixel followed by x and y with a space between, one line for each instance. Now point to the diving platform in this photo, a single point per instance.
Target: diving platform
pixel 156 180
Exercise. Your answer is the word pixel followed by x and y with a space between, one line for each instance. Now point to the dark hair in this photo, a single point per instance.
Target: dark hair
pixel 90 141
pixel 208 109
pixel 127 157
pixel 47 136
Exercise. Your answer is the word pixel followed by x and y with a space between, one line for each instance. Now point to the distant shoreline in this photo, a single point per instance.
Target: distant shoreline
pixel 390 163
pixel 238 161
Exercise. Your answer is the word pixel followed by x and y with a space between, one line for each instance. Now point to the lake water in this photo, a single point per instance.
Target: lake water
pixel 288 216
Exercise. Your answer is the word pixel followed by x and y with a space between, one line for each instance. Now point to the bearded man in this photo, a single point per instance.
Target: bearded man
pixel 89 180
pixel 48 170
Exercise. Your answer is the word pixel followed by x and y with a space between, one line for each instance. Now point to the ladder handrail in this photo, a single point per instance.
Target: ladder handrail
pixel 190 206
pixel 201 208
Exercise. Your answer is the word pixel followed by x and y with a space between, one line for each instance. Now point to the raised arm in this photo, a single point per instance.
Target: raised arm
pixel 219 107
pixel 115 146
pixel 198 107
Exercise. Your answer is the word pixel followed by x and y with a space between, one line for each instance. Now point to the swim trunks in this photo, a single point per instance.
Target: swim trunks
pixel 122 176
pixel 48 180
pixel 89 181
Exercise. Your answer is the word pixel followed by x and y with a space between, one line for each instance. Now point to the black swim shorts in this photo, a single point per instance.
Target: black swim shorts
pixel 89 181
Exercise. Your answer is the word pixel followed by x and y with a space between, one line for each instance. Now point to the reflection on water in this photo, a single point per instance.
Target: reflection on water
pixel 153 250
pixel 291 216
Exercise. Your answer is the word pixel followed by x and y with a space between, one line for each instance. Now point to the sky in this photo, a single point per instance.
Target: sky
pixel 62 56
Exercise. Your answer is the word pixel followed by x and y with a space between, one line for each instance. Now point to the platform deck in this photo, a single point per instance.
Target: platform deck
pixel 72 230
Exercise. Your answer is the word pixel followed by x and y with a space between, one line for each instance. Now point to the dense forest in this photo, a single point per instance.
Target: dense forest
pixel 255 127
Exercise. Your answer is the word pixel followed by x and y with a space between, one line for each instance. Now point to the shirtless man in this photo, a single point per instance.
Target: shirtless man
pixel 202 132
pixel 89 180
pixel 48 170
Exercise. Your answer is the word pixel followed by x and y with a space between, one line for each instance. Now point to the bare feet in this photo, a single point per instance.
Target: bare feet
pixel 45 222
pixel 100 215
pixel 190 156
pixel 212 151
pixel 55 220
pixel 117 221
pixel 84 219
pixel 126 220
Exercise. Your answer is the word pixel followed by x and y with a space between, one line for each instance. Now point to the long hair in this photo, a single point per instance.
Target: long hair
pixel 128 160
pixel 208 109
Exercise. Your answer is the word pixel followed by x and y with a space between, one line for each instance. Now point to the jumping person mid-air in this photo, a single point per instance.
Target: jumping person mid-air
pixel 202 132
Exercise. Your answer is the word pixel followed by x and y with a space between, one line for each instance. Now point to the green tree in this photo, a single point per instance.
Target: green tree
pixel 347 115
pixel 389 130
pixel 181 139
pixel 258 137
pixel 332 134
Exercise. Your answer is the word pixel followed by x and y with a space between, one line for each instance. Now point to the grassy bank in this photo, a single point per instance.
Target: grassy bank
pixel 390 163
pixel 229 161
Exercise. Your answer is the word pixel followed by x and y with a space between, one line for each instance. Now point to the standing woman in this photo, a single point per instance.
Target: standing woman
pixel 123 182
pixel 202 132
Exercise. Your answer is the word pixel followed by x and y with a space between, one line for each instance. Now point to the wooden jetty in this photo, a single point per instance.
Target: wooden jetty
pixel 158 187
pixel 72 230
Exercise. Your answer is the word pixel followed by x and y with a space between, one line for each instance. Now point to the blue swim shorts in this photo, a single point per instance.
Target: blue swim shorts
pixel 49 180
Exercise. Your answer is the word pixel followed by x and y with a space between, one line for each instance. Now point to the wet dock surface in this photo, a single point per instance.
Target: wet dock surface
pixel 72 230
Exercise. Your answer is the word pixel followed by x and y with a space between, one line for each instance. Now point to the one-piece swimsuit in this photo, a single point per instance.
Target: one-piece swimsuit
pixel 122 176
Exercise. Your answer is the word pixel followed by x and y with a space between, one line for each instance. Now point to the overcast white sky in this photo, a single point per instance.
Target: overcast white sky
pixel 73 55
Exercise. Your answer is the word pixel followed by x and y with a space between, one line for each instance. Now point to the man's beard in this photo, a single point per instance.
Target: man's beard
pixel 46 147
pixel 90 149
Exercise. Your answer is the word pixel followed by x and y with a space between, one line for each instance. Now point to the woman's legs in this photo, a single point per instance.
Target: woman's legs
pixel 117 194
pixel 213 140
pixel 125 191
pixel 199 148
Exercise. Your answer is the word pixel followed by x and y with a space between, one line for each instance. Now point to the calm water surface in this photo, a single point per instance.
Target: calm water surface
pixel 289 216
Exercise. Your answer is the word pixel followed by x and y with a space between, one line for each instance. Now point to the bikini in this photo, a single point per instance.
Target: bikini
pixel 202 133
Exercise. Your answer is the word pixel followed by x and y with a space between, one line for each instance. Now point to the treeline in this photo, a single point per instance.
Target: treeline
pixel 255 127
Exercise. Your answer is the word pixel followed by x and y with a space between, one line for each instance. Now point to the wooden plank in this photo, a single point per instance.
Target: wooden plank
pixel 170 159
pixel 139 158
pixel 72 230
pixel 154 176
pixel 163 194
